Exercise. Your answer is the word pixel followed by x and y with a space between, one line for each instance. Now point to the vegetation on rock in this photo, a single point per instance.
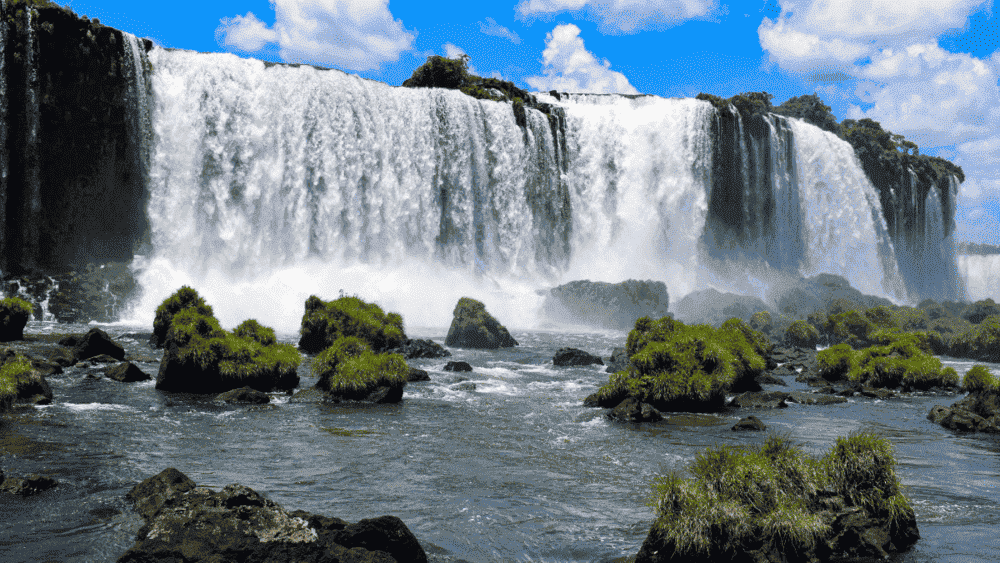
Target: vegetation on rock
pixel 979 380
pixel 896 360
pixel 183 298
pixel 473 327
pixel 202 357
pixel 686 368
pixel 19 380
pixel 802 334
pixel 981 342
pixel 14 315
pixel 774 502
pixel 326 321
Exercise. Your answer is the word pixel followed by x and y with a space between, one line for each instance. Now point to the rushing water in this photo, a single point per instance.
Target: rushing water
pixel 516 470
pixel 982 275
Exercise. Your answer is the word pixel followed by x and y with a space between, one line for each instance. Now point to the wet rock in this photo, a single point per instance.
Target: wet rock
pixel 575 357
pixel 61 357
pixel 421 349
pixel 45 367
pixel 768 379
pixel 714 307
pixel 619 360
pixel 14 313
pixel 631 410
pixel 245 395
pixel 606 305
pixel 95 342
pixel 415 374
pixel 877 393
pixel 29 485
pixel 238 523
pixel 126 372
pixel 977 412
pixel 310 395
pixel 465 386
pixel 761 400
pixel 749 423
pixel 457 366
pixel 814 399
pixel 473 327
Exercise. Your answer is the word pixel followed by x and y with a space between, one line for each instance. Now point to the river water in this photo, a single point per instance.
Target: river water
pixel 515 470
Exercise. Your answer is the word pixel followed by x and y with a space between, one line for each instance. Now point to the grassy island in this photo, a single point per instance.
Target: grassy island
pixel 774 502
pixel 677 367
pixel 326 321
pixel 897 360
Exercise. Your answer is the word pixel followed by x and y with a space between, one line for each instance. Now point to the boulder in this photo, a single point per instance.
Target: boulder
pixel 631 410
pixel 325 321
pixel 95 342
pixel 979 411
pixel 761 400
pixel 619 360
pixel 457 366
pixel 713 307
pixel 245 395
pixel 749 423
pixel 421 349
pixel 29 485
pixel 473 327
pixel 814 399
pixel 575 357
pixel 189 523
pixel 606 305
pixel 126 372
pixel 465 386
pixel 415 374
pixel 21 382
pixel 350 371
pixel 14 314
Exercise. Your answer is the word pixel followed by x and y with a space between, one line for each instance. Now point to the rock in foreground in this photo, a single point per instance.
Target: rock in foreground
pixel 186 523
pixel 473 327
pixel 774 503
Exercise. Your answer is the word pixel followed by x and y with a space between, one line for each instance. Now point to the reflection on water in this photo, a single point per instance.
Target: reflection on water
pixel 516 469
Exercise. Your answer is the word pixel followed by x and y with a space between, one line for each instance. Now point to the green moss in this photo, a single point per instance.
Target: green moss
pixel 325 364
pixel 681 367
pixel 802 334
pixel 738 497
pixel 851 327
pixel 324 322
pixel 17 306
pixel 13 373
pixel 358 376
pixel 979 342
pixel 836 362
pixel 900 360
pixel 979 380
pixel 761 321
pixel 253 330
pixel 183 298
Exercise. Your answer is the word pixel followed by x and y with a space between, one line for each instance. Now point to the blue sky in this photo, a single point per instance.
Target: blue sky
pixel 927 69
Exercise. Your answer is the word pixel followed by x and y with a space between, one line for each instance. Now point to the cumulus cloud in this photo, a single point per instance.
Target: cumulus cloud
pixel 570 67
pixel 350 34
pixel 453 51
pixel 624 16
pixel 491 27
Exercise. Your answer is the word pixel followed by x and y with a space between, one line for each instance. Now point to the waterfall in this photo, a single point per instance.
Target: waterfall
pixel 981 274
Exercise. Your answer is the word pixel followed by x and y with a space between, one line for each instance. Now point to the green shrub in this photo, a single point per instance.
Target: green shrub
pixel 183 298
pixel 325 364
pixel 836 362
pixel 980 342
pixel 16 305
pixel 324 322
pixel 979 380
pixel 802 334
pixel 850 327
pixel 761 321
pixel 681 367
pixel 739 497
pixel 250 328
pixel 901 360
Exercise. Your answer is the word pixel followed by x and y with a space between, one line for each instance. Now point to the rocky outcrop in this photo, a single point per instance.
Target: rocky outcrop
pixel 20 382
pixel 473 327
pixel 632 410
pixel 977 412
pixel 415 348
pixel 713 307
pixel 126 372
pixel 606 305
pixel 619 360
pixel 94 292
pixel 95 342
pixel 186 523
pixel 751 423
pixel 575 357
pixel 14 314
pixel 457 366
pixel 244 395
pixel 26 486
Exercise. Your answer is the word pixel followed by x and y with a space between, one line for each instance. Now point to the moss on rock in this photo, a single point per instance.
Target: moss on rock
pixel 21 381
pixel 183 298
pixel 775 503
pixel 676 367
pixel 981 342
pixel 802 334
pixel 326 321
pixel 896 360
pixel 350 370
pixel 979 380
pixel 14 315
pixel 473 327
pixel 202 357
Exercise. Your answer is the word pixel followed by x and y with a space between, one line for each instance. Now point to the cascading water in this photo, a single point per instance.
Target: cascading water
pixel 269 183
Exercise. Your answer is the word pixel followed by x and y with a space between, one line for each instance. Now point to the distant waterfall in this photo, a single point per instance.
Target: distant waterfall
pixel 982 274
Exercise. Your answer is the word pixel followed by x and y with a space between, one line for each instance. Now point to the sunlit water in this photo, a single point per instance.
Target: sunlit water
pixel 516 470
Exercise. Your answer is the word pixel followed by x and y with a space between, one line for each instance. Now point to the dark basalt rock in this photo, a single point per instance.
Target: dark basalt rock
pixel 606 305
pixel 26 486
pixel 761 400
pixel 575 357
pixel 421 349
pixel 877 393
pixel 457 366
pixel 619 360
pixel 465 386
pixel 631 410
pixel 473 327
pixel 976 412
pixel 380 395
pixel 245 395
pixel 13 319
pixel 95 342
pixel 189 523
pixel 126 372
pixel 749 423
pixel 415 374
pixel 714 307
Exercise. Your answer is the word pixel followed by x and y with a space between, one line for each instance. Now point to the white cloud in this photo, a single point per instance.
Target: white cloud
pixel 350 34
pixel 570 67
pixel 491 27
pixel 453 51
pixel 624 16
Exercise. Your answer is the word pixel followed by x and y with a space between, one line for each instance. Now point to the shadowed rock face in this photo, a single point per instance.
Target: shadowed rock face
pixel 473 327
pixel 606 305
pixel 186 523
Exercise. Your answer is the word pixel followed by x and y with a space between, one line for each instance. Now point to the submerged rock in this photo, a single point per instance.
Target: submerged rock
pixel 26 486
pixel 631 410
pixel 415 374
pixel 94 343
pixel 245 395
pixel 189 523
pixel 749 423
pixel 126 372
pixel 421 349
pixel 575 357
pixel 606 305
pixel 473 327
pixel 457 366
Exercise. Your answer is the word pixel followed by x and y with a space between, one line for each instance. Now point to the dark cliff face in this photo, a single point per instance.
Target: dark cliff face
pixel 77 107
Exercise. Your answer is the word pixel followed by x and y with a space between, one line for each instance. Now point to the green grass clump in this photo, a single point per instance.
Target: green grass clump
pixel 325 364
pixel 13 372
pixel 743 499
pixel 980 342
pixel 351 370
pixel 681 367
pixel 326 321
pixel 802 334
pixel 901 360
pixel 836 362
pixel 16 305
pixel 850 327
pixel 183 298
pixel 250 355
pixel 979 380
